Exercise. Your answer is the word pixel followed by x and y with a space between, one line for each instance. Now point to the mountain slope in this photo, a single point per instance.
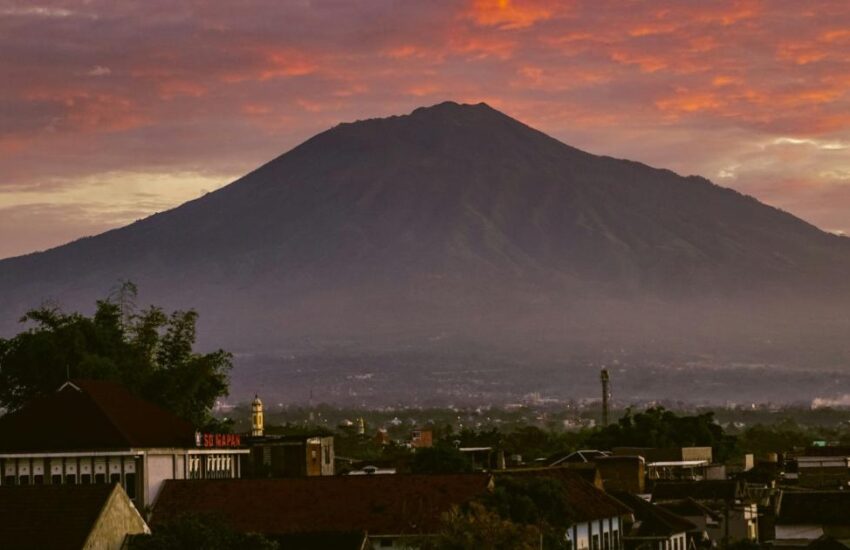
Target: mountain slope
pixel 454 218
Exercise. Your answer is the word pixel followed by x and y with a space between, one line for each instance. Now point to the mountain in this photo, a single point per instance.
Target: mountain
pixel 458 224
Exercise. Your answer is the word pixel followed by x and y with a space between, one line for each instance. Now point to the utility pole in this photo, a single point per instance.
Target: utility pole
pixel 606 395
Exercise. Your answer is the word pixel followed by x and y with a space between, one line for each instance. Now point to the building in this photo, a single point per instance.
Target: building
pixel 393 509
pixel 484 458
pixel 704 518
pixel 421 438
pixel 728 499
pixel 285 456
pixel 289 456
pixel 672 454
pixel 824 468
pixel 655 528
pixel 97 432
pixel 50 517
pixel 803 517
pixel 618 473
pixel 622 473
pixel 597 519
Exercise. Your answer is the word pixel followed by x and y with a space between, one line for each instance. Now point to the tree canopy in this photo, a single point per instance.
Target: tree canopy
pixel 440 459
pixel 209 532
pixel 147 350
pixel 658 427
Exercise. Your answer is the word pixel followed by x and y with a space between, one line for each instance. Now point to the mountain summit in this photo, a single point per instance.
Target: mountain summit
pixel 454 219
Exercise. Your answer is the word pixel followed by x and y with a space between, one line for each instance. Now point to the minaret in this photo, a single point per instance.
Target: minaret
pixel 606 395
pixel 256 417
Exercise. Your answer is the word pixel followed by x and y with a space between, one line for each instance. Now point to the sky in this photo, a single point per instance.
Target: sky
pixel 112 110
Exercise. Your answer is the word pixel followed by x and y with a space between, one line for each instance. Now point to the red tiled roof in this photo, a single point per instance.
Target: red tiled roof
pixel 380 505
pixel 91 415
pixel 48 517
pixel 586 501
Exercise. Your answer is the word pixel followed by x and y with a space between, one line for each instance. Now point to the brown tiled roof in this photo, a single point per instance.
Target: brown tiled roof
pixel 91 415
pixel 655 521
pixel 380 505
pixel 585 501
pixel 48 517
pixel 814 508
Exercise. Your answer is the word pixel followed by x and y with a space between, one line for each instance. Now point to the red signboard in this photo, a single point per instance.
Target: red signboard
pixel 217 441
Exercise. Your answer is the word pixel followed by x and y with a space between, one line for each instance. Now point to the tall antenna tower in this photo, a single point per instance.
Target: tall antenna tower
pixel 606 395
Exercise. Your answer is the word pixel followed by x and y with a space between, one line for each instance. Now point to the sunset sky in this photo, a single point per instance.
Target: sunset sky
pixel 111 110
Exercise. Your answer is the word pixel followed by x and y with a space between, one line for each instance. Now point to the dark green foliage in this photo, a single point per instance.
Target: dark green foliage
pixel 532 500
pixel 783 436
pixel 148 351
pixel 658 427
pixel 537 501
pixel 440 459
pixel 190 531
pixel 478 528
pixel 522 512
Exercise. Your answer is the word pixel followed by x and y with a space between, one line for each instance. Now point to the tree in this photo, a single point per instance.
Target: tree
pixel 658 427
pixel 440 459
pixel 533 500
pixel 522 512
pixel 782 436
pixel 477 528
pixel 148 351
pixel 190 531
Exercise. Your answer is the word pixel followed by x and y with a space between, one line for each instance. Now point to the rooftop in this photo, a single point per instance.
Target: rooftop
pixel 586 501
pixel 380 505
pixel 652 520
pixel 86 415
pixel 50 516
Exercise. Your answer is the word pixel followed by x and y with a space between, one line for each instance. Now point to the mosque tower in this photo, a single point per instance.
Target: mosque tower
pixel 256 417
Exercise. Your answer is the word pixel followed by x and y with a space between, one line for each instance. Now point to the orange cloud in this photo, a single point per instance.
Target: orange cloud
pixel 800 53
pixel 685 101
pixel 506 14
pixel 169 89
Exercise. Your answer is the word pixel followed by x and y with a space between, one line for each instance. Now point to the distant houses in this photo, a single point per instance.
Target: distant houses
pixel 119 468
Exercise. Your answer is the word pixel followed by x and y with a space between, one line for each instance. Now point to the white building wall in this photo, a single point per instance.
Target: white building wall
pixel 158 468
pixel 582 535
